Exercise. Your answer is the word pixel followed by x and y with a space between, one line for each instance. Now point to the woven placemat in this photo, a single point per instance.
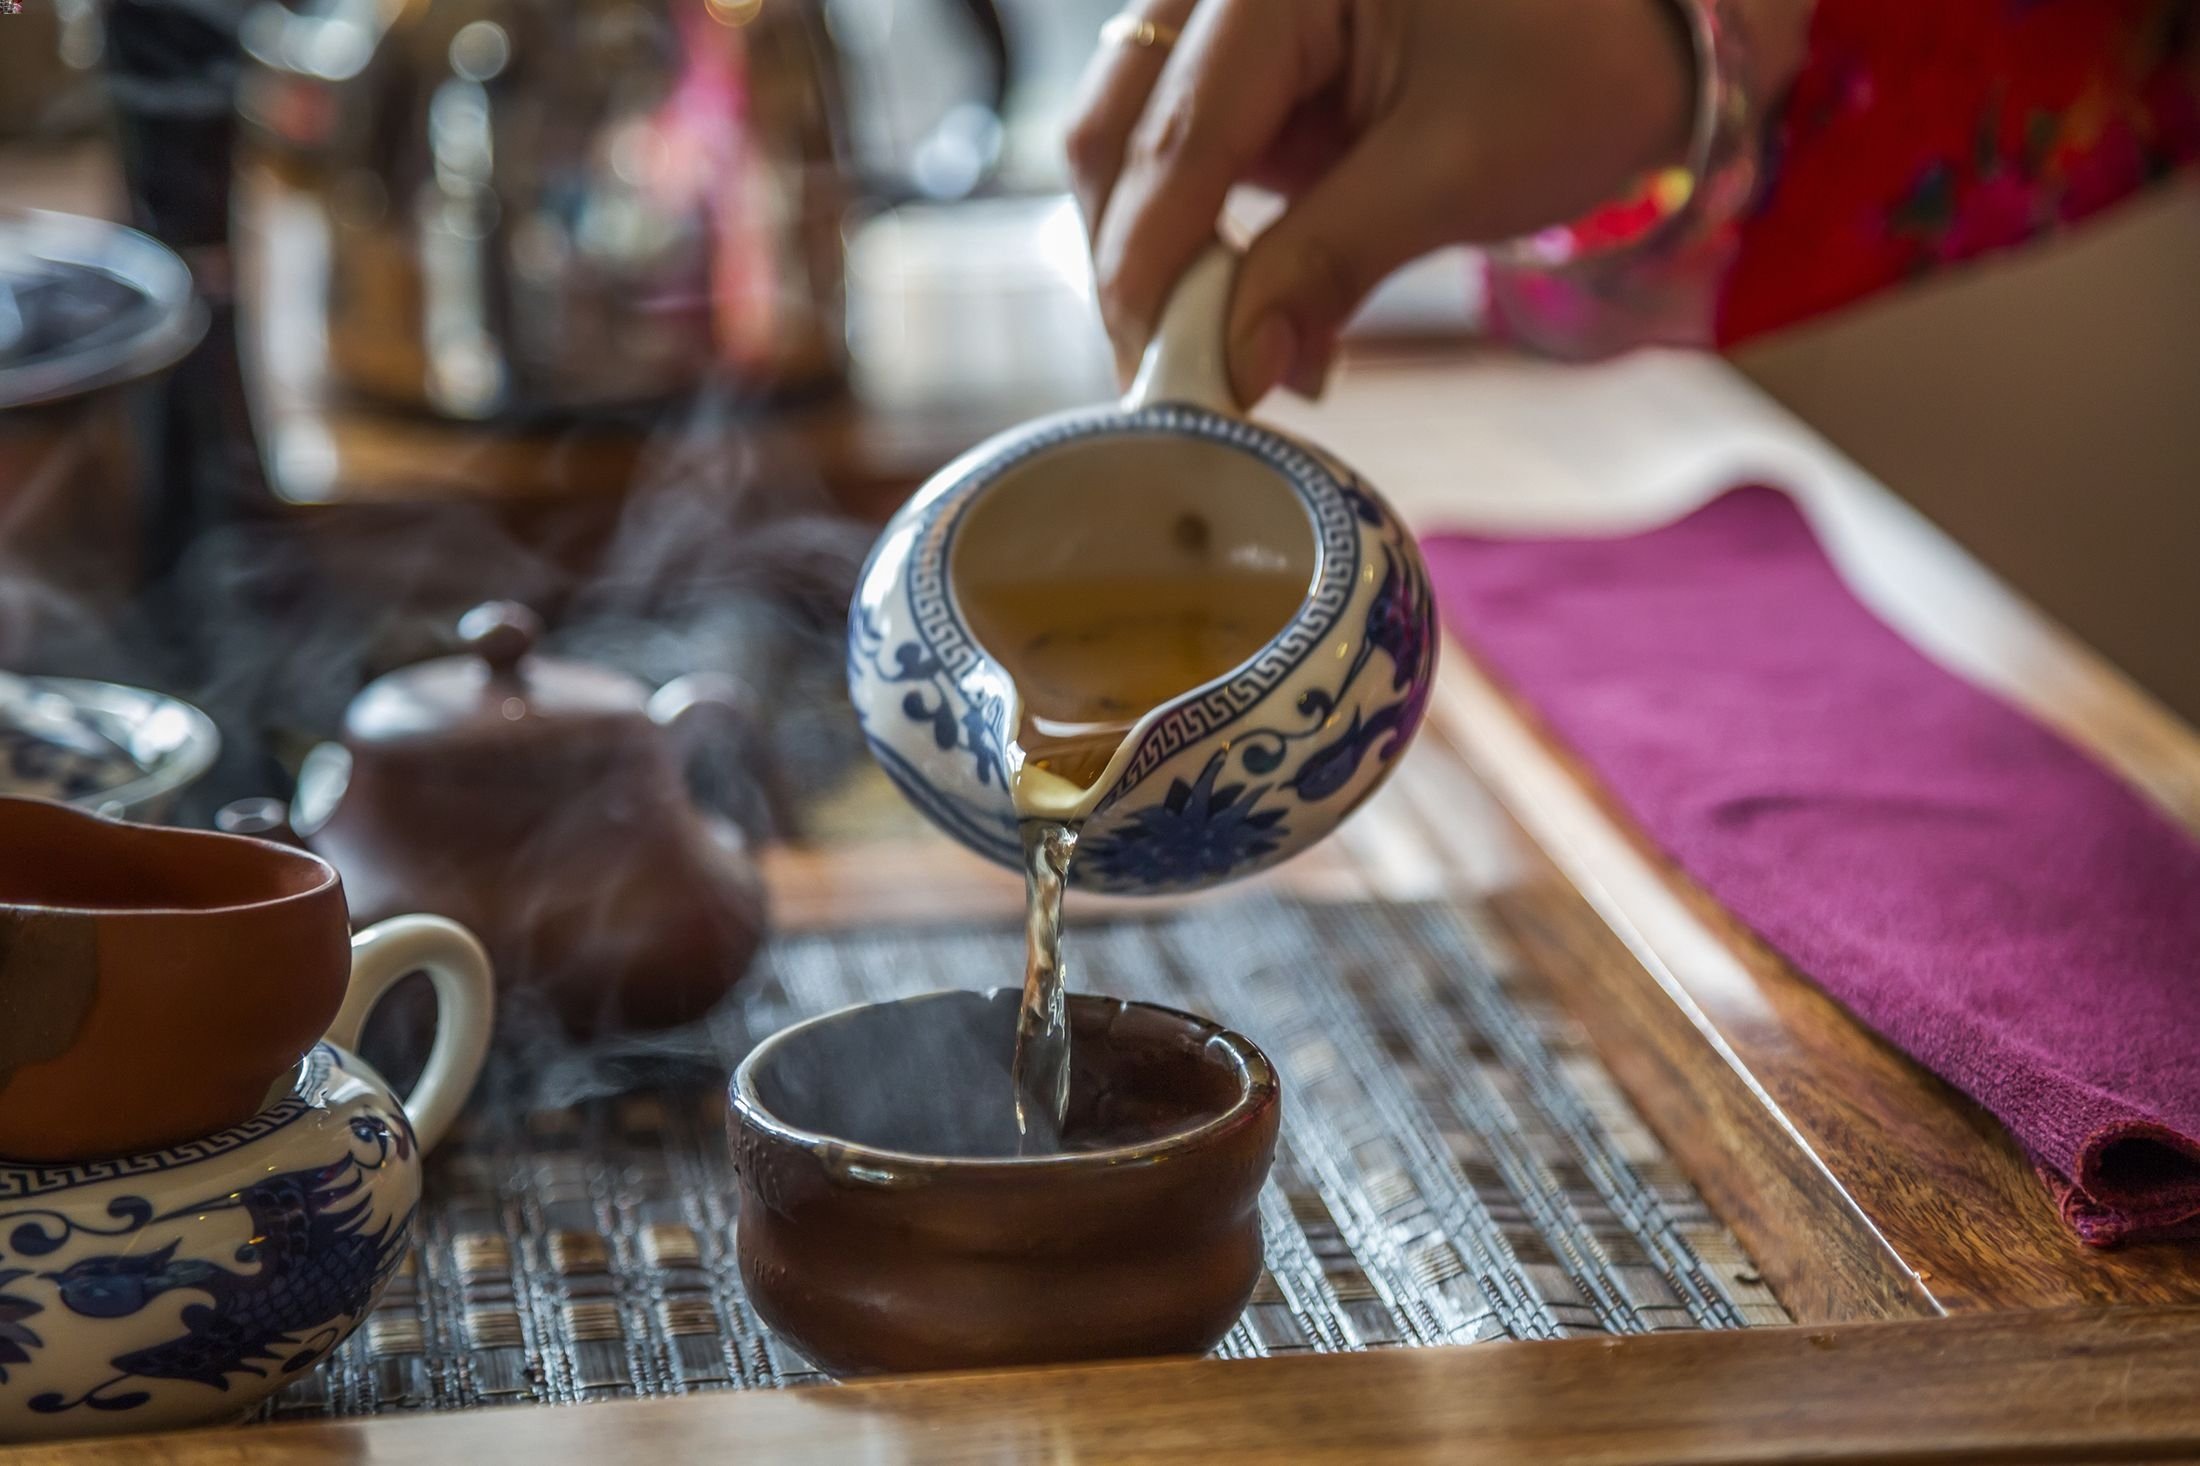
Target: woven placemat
pixel 1455 1166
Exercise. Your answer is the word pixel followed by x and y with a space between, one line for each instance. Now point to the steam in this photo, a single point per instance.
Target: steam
pixel 931 1075
pixel 934 1076
pixel 716 562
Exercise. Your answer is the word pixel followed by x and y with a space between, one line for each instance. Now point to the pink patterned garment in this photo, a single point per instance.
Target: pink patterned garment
pixel 1919 134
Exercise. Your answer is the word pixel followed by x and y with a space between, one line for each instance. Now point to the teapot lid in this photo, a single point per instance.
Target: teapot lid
pixel 499 686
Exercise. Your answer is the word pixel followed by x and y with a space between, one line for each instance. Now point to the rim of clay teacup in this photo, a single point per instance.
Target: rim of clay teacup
pixel 115 829
pixel 300 1091
pixel 1256 1092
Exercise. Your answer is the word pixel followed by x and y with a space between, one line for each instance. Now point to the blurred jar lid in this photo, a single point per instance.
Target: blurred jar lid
pixel 85 304
pixel 986 303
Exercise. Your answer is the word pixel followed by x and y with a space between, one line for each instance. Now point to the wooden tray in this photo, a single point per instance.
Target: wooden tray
pixel 1873 1199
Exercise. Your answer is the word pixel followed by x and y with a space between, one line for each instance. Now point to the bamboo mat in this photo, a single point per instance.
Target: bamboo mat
pixel 1455 1166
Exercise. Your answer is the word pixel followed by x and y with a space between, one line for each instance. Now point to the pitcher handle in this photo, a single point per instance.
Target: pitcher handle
pixel 1188 359
pixel 465 1007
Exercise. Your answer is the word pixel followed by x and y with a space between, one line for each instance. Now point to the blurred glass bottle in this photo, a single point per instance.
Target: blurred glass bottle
pixel 172 69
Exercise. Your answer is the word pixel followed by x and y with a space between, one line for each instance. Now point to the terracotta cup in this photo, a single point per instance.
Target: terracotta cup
pixel 157 985
pixel 1142 1239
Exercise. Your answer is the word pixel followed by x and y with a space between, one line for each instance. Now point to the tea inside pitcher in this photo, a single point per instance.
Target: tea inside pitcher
pixel 1090 656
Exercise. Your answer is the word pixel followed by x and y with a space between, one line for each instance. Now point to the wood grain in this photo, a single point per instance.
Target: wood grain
pixel 1694 1014
pixel 1699 1020
pixel 2096 1385
pixel 870 460
pixel 1823 1257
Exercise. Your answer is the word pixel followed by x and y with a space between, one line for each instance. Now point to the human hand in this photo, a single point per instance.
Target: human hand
pixel 1392 127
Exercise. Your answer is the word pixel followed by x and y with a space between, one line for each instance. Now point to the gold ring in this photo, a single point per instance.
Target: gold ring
pixel 1136 30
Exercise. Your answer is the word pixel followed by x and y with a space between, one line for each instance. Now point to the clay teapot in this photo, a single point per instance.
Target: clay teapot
pixel 543 803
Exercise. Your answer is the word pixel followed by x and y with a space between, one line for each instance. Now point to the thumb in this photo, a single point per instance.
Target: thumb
pixel 1385 202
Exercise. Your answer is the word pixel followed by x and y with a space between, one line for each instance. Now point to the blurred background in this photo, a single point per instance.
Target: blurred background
pixel 644 312
pixel 641 313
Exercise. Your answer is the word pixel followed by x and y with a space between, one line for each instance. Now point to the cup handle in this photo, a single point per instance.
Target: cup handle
pixel 1188 359
pixel 465 1005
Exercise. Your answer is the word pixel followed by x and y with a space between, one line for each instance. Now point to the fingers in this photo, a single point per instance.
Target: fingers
pixel 1117 83
pixel 1313 138
pixel 1222 99
pixel 1389 200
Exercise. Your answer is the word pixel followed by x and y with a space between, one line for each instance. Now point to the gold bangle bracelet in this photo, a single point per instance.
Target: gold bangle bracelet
pixel 1649 288
pixel 1137 30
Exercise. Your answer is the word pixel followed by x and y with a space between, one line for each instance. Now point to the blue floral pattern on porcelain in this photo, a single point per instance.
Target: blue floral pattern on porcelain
pixel 1224 781
pixel 182 1286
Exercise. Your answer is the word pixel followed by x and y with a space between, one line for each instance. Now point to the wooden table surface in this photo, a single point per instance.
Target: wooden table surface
pixel 1864 1187
pixel 1875 1200
pixel 2092 1386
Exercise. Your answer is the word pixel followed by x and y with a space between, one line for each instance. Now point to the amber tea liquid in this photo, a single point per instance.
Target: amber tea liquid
pixel 1089 657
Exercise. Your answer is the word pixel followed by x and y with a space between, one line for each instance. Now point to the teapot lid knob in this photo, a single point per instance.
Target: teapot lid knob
pixel 260 818
pixel 501 633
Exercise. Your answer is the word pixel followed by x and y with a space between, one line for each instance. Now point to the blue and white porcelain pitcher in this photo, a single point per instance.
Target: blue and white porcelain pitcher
pixel 1231 776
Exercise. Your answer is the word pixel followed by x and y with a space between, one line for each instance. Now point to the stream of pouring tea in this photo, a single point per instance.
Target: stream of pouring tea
pixel 1055 765
pixel 1040 1070
pixel 1089 660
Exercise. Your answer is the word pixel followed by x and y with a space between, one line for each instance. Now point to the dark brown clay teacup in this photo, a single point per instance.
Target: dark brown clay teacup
pixel 888 1225
pixel 157 985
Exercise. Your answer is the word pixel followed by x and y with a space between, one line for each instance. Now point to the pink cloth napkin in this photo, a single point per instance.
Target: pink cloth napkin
pixel 1981 893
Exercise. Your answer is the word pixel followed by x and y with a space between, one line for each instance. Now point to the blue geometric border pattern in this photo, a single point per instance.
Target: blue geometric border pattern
pixel 18 1181
pixel 940 626
pixel 1191 722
